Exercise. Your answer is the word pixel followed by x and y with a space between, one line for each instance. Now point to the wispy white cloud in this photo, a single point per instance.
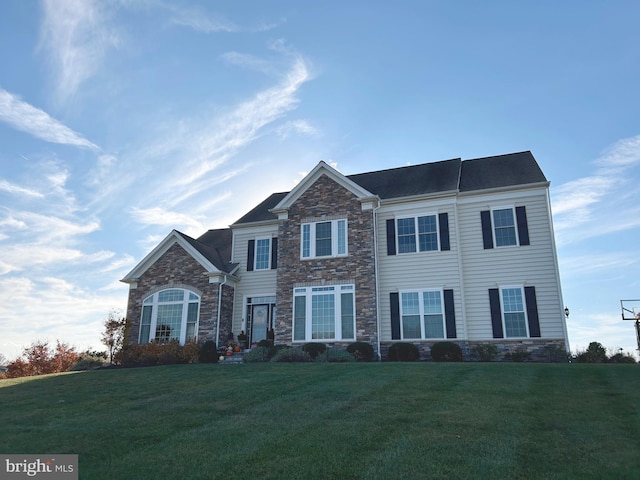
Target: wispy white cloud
pixel 17 189
pixel 249 61
pixel 27 118
pixel 598 204
pixel 160 216
pixel 300 127
pixel 76 37
pixel 200 20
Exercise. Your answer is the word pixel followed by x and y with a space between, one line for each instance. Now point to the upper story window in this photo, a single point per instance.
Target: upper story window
pixel 422 233
pixel 168 315
pixel 324 239
pixel 262 254
pixel 504 226
pixel 417 234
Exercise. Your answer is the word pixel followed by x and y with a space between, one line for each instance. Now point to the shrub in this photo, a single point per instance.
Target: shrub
pixel 265 343
pixel 90 361
pixel 291 355
pixel 158 354
pixel 256 355
pixel 446 352
pixel 314 349
pixel 403 352
pixel 208 352
pixel 337 355
pixel 361 351
pixel 518 356
pixel 621 358
pixel 595 353
pixel 486 352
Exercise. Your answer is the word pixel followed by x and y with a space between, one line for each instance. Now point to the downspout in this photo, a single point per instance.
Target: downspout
pixel 375 266
pixel 219 310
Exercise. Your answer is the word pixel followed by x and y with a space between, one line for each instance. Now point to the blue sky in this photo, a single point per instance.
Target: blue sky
pixel 121 120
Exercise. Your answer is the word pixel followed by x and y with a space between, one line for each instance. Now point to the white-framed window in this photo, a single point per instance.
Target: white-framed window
pixel 514 312
pixel 422 314
pixel 324 239
pixel 504 226
pixel 417 234
pixel 170 314
pixel 262 257
pixel 324 313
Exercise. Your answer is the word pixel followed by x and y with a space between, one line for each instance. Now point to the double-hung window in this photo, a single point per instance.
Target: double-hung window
pixel 263 254
pixel 324 313
pixel 422 314
pixel 169 315
pixel 504 227
pixel 513 312
pixel 417 234
pixel 324 239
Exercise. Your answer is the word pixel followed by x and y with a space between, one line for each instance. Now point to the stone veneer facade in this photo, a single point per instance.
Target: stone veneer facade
pixel 323 201
pixel 177 269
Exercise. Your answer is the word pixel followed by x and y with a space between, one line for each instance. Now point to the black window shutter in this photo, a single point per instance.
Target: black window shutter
pixel 496 312
pixel 487 234
pixel 449 314
pixel 394 297
pixel 250 252
pixel 274 253
pixel 443 219
pixel 523 229
pixel 391 237
pixel 532 311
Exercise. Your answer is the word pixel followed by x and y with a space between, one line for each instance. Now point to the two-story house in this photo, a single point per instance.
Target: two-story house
pixel 455 250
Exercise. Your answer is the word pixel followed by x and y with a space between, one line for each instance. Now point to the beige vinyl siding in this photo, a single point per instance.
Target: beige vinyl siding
pixel 420 270
pixel 527 265
pixel 253 283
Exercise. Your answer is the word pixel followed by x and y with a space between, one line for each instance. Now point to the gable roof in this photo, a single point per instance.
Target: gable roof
pixel 412 180
pixel 454 175
pixel 210 251
pixel 500 171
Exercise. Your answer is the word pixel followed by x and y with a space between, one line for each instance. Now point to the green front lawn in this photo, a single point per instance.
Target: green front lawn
pixel 333 421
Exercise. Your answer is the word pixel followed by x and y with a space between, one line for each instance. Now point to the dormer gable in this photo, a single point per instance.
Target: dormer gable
pixel 366 198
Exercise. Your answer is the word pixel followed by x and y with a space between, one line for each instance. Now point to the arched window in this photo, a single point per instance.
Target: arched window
pixel 168 315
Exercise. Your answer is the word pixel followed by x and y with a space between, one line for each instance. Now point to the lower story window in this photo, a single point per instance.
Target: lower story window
pixel 169 315
pixel 422 314
pixel 514 317
pixel 324 313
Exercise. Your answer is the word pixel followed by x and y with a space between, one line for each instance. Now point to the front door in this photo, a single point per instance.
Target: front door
pixel 259 322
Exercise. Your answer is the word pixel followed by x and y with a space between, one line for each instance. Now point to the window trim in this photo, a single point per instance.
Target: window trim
pixel 422 314
pixel 335 234
pixel 255 253
pixel 417 233
pixel 308 294
pixel 503 311
pixel 154 303
pixel 515 225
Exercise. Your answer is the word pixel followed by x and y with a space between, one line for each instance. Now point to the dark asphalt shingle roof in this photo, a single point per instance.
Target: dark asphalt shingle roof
pixel 485 173
pixel 215 246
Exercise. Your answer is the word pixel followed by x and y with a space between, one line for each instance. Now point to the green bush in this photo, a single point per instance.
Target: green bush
pixel 314 349
pixel 595 353
pixel 361 351
pixel 291 355
pixel 486 352
pixel 158 354
pixel 518 356
pixel 446 352
pixel 208 352
pixel 621 358
pixel 337 355
pixel 265 343
pixel 256 355
pixel 556 354
pixel 403 352
pixel 90 361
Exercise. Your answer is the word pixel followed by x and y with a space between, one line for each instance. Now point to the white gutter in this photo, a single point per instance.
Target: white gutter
pixel 219 310
pixel 375 266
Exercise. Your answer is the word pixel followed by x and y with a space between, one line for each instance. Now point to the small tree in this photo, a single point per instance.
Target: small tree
pixel 595 353
pixel 113 335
